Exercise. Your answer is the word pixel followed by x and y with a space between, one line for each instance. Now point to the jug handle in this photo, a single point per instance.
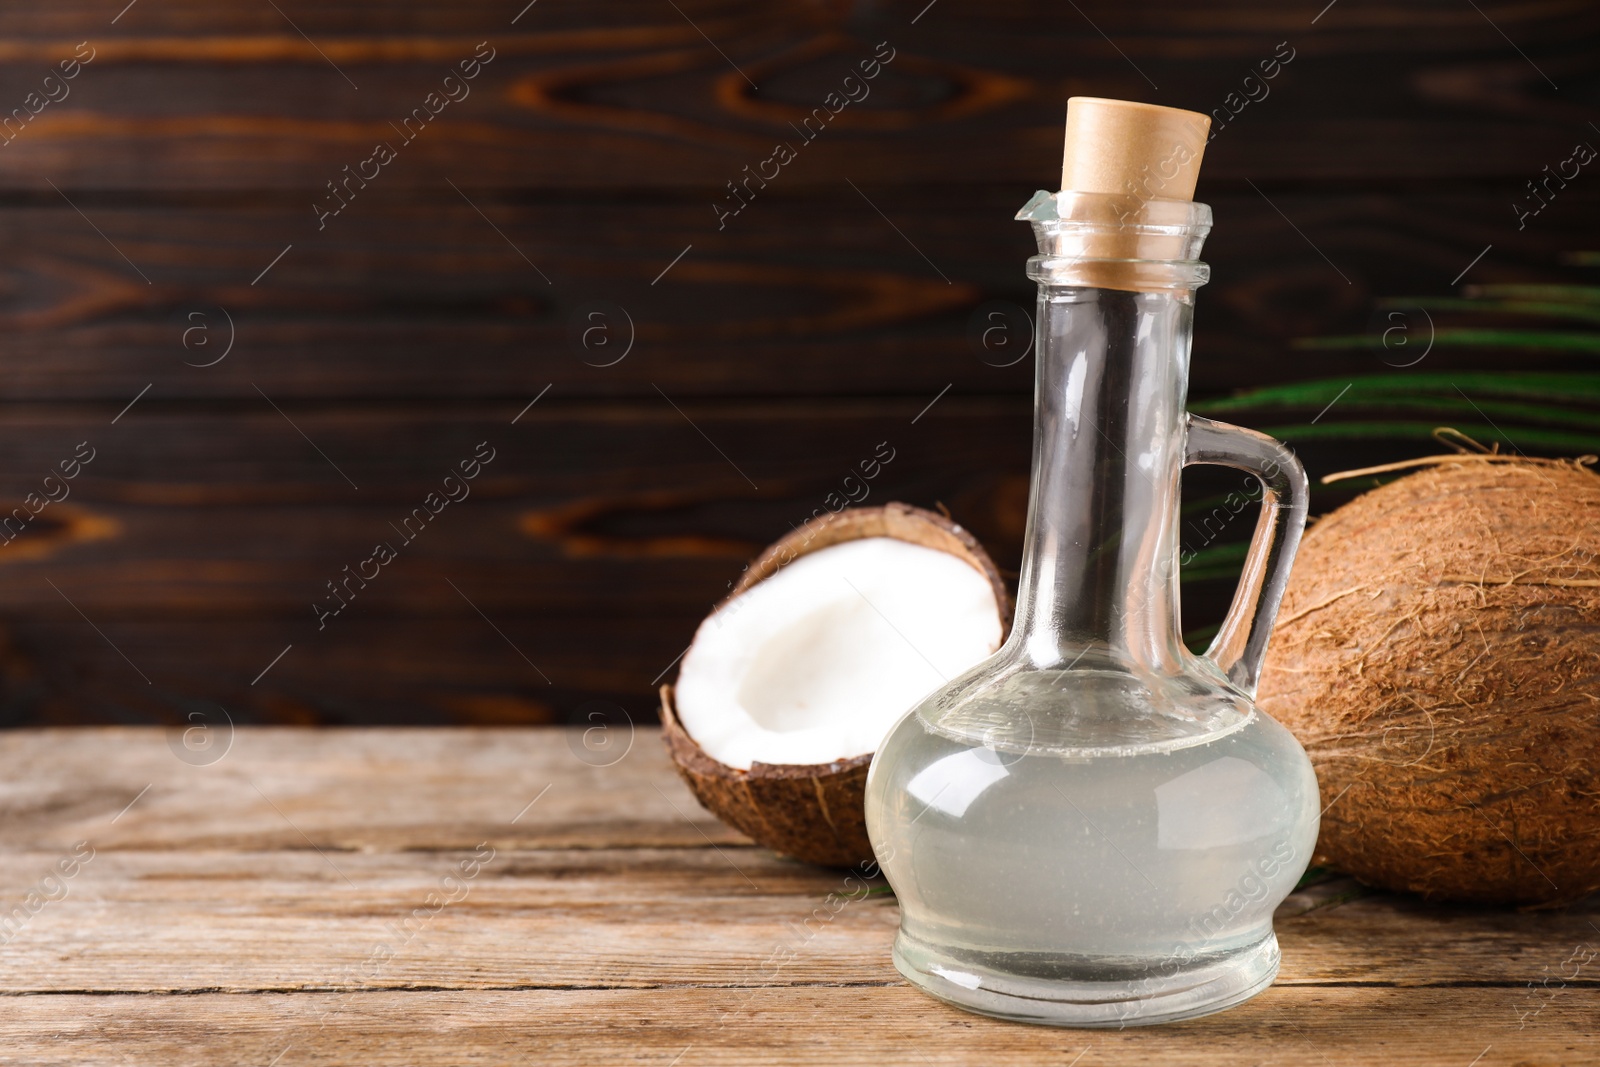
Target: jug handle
pixel 1241 645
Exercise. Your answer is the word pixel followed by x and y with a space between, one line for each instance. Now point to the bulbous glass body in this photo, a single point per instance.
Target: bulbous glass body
pixel 1081 882
pixel 1093 827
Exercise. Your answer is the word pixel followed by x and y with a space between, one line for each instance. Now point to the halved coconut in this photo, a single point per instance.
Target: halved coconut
pixel 830 636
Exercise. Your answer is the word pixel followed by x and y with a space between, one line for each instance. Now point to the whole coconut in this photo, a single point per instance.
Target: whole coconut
pixel 1438 656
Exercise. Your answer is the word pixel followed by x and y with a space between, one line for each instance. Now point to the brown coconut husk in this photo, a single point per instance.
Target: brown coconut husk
pixel 1438 655
pixel 813 812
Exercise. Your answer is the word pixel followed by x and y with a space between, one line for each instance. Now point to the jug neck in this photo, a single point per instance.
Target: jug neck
pixel 1099 581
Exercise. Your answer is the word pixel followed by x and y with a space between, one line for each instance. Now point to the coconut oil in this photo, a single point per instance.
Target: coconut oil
pixel 1093 826
pixel 1046 879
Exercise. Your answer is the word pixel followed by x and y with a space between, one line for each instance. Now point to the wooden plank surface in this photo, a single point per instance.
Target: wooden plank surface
pixel 191 550
pixel 154 208
pixel 209 96
pixel 229 905
pixel 200 555
pixel 602 917
pixel 365 310
pixel 859 1026
pixel 193 547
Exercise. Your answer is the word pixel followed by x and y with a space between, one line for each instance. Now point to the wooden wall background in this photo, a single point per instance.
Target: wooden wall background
pixel 378 351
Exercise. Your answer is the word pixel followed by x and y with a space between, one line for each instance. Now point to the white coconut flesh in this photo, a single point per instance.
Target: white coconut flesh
pixel 815 663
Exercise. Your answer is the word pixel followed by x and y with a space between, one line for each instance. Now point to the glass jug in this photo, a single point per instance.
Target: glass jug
pixel 1093 826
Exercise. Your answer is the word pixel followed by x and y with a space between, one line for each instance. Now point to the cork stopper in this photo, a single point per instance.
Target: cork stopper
pixel 1139 150
pixel 1125 217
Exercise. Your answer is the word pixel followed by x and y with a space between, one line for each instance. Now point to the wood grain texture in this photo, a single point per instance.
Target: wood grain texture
pixel 169 199
pixel 859 1026
pixel 194 546
pixel 355 790
pixel 602 918
pixel 200 554
pixel 367 309
pixel 198 96
pixel 276 902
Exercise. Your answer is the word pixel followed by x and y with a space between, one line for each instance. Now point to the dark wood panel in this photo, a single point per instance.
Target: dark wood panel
pixel 192 147
pixel 363 670
pixel 204 96
pixel 421 298
pixel 157 456
pixel 169 496
pixel 196 546
pixel 192 548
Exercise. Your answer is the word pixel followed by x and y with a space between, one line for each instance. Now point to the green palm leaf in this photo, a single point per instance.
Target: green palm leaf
pixel 1372 388
pixel 1512 438
pixel 1582 311
pixel 1562 294
pixel 1471 337
pixel 1216 561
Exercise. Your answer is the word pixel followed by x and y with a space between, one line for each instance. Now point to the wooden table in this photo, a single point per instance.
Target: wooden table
pixel 291 897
